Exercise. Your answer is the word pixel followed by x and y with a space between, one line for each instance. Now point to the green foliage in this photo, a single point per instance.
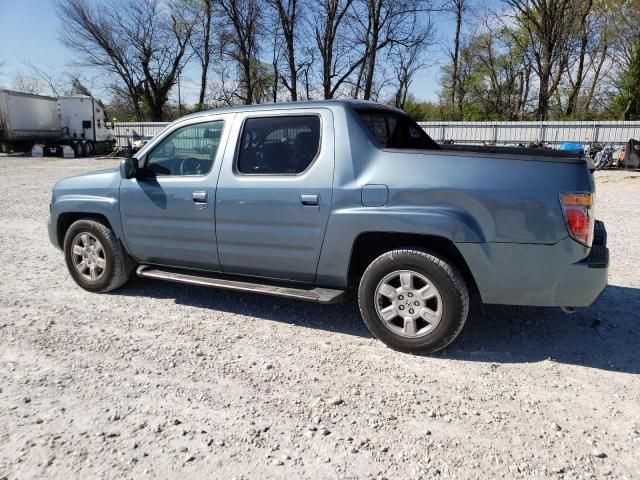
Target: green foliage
pixel 627 103
pixel 414 109
pixel 427 111
pixel 500 67
pixel 491 70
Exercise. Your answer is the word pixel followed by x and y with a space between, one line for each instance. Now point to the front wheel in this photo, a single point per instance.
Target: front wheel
pixel 413 300
pixel 94 256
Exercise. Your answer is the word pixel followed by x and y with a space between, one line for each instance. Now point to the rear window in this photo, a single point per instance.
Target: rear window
pixel 394 130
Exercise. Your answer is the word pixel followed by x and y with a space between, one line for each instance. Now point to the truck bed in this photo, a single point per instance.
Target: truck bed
pixel 523 153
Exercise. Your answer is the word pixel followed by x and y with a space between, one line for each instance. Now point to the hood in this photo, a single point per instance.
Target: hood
pixel 102 182
pixel 96 172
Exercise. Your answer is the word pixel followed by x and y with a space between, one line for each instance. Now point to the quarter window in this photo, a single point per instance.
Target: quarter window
pixel 189 150
pixel 279 145
pixel 394 130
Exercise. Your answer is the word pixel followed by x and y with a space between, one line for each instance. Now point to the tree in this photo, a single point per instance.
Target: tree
pixel 503 75
pixel 329 23
pixel 41 81
pixel 546 23
pixel 583 32
pixel 408 62
pixel 240 43
pixel 22 82
pixel 46 80
pixel 139 43
pixel 628 101
pixel 458 9
pixel 288 20
pixel 493 75
pixel 223 90
pixel 601 38
pixel 382 24
pixel 506 70
pixel 408 59
pixel 203 12
pixel 625 77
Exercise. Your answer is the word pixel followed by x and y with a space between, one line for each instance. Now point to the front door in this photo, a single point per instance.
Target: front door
pixel 274 194
pixel 168 212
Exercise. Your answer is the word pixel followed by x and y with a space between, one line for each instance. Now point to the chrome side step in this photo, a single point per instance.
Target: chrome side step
pixel 319 295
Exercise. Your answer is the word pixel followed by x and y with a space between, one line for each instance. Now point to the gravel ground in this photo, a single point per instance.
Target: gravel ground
pixel 160 379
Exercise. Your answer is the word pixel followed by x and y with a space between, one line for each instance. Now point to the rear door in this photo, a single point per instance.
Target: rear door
pixel 274 193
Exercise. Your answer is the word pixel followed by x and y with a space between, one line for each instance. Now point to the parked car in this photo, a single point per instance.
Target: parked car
pixel 314 200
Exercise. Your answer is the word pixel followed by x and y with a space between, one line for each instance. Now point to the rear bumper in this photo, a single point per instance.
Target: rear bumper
pixel 566 274
pixel 583 282
pixel 599 255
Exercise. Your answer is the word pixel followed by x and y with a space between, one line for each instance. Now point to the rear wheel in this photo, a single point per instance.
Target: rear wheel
pixel 413 300
pixel 95 259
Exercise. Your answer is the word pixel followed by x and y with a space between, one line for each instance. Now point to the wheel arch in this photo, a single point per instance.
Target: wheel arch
pixel 370 245
pixel 66 219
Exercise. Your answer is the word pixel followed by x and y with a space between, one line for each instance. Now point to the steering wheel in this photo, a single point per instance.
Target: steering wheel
pixel 190 166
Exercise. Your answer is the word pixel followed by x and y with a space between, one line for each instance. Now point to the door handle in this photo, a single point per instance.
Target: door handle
pixel 309 199
pixel 200 199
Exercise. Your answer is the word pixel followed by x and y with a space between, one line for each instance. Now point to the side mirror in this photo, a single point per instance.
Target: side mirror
pixel 129 168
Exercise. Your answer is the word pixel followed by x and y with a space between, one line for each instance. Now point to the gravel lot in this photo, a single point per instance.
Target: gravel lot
pixel 159 379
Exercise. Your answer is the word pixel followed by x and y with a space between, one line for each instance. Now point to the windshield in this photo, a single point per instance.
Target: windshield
pixel 395 130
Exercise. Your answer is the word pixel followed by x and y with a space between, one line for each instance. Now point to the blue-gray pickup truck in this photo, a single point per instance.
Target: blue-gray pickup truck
pixel 313 200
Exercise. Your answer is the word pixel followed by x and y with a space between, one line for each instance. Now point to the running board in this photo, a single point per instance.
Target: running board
pixel 319 295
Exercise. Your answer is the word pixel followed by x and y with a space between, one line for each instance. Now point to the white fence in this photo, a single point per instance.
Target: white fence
pixel 127 132
pixel 467 132
pixel 526 132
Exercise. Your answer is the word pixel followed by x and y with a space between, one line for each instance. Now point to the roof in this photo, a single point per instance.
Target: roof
pixel 84 97
pixel 25 94
pixel 284 105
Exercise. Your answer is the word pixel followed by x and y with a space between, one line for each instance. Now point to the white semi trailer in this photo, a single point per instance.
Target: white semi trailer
pixel 30 121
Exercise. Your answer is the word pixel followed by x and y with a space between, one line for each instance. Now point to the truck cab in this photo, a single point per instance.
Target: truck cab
pixel 82 117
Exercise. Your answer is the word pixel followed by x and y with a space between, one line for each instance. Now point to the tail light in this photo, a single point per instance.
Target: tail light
pixel 578 214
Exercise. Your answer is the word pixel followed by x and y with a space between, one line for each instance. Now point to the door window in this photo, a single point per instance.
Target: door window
pixel 189 150
pixel 284 145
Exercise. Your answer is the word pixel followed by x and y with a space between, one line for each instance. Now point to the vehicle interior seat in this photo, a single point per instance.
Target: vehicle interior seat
pixel 305 147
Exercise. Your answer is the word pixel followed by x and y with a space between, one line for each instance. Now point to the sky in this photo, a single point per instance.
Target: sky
pixel 29 34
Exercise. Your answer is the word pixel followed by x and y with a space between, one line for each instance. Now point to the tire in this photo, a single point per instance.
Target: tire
pixel 77 148
pixel 597 162
pixel 436 290
pixel 111 264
